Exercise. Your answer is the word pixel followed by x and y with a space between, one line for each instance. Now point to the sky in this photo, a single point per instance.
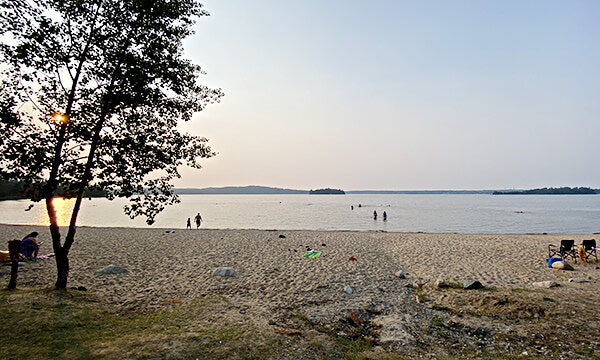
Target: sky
pixel 399 95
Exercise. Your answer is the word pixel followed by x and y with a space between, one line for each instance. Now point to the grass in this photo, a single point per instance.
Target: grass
pixel 45 323
pixel 55 324
pixel 439 307
pixel 437 321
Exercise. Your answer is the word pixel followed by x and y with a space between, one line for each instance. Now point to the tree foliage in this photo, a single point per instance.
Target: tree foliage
pixel 551 191
pixel 92 94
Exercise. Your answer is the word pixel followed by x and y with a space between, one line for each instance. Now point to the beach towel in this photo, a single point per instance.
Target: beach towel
pixel 4 256
pixel 312 254
pixel 581 252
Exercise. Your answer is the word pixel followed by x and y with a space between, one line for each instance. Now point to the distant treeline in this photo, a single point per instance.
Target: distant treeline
pixel 327 191
pixel 551 191
pixel 11 190
pixel 238 190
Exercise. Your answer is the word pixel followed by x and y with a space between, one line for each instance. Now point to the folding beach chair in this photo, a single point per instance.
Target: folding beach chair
pixel 589 249
pixel 565 250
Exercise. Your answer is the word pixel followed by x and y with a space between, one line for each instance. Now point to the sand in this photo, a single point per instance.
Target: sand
pixel 273 278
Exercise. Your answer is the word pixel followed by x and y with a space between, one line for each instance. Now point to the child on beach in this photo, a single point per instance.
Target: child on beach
pixel 189 224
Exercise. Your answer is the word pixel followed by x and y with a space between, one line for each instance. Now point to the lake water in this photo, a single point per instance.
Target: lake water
pixel 576 214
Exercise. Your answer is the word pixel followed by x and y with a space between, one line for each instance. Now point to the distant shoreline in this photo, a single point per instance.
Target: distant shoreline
pixel 13 194
pixel 263 190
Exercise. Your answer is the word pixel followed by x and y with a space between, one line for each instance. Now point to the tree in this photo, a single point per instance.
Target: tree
pixel 92 94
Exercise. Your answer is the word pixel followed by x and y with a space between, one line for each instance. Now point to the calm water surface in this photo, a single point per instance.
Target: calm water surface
pixel 406 212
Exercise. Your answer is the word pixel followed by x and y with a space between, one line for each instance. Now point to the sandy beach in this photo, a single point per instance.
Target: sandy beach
pixel 272 278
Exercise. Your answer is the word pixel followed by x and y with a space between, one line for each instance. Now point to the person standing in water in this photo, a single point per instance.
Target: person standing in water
pixel 189 224
pixel 384 216
pixel 198 220
pixel 374 215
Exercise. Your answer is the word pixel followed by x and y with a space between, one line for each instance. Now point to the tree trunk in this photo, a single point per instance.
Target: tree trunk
pixel 62 269
pixel 14 271
pixel 13 251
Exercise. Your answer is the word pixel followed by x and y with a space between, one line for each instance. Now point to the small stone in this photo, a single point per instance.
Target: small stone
pixel 440 283
pixel 472 284
pixel 281 236
pixel 545 284
pixel 225 271
pixel 113 269
pixel 348 290
pixel 400 274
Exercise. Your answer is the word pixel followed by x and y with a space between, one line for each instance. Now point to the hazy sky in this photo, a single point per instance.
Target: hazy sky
pixel 399 95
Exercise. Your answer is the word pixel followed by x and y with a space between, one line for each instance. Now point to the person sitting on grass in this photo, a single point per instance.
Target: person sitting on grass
pixel 30 247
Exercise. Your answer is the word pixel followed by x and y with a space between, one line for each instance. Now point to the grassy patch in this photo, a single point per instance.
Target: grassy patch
pixel 67 324
pixel 51 324
pixel 354 345
pixel 439 307
pixel 422 297
pixel 454 285
pixel 437 321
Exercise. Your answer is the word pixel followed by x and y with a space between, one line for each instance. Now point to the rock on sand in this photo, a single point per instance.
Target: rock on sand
pixel 225 271
pixel 113 269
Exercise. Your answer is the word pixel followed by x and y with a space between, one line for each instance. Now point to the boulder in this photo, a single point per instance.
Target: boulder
pixel 472 284
pixel 113 269
pixel 561 265
pixel 224 271
pixel 545 284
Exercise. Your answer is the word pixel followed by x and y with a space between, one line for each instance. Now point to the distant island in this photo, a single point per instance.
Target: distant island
pixel 327 191
pixel 551 191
